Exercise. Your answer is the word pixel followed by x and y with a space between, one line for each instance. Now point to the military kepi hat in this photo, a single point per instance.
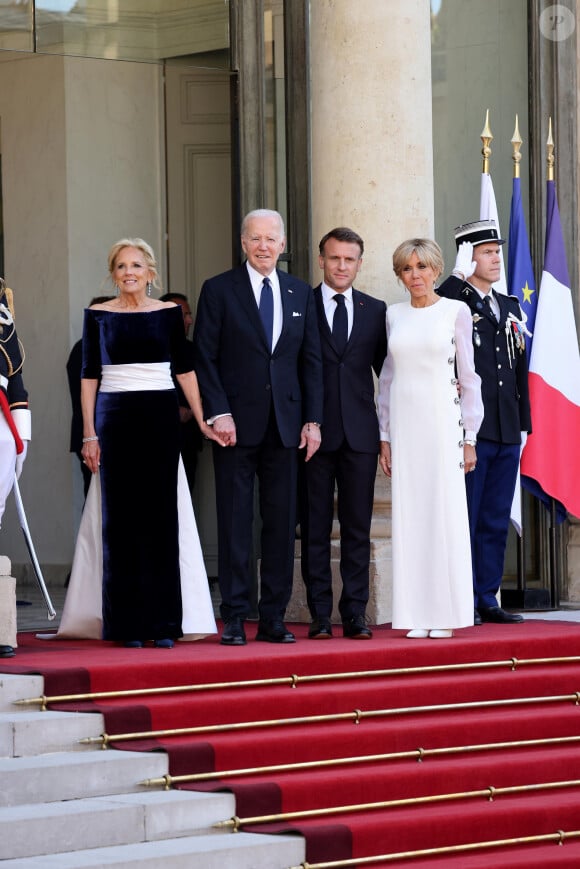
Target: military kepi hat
pixel 478 232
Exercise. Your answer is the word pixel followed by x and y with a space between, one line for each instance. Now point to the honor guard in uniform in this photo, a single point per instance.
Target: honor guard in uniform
pixel 14 417
pixel 500 360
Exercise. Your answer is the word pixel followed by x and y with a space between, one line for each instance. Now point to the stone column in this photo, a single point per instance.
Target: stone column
pixel 372 170
pixel 7 604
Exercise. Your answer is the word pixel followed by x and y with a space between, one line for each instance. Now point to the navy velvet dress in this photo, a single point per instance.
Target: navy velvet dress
pixel 139 438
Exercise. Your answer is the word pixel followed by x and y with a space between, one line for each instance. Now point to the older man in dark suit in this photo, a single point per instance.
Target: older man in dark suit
pixel 500 361
pixel 260 374
pixel 354 343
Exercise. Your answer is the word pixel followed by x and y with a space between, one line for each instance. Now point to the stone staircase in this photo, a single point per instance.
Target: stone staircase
pixel 65 805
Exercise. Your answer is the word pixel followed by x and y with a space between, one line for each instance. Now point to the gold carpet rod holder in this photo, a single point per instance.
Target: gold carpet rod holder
pixel 490 793
pixel 356 716
pixel 418 754
pixel 559 837
pixel 293 681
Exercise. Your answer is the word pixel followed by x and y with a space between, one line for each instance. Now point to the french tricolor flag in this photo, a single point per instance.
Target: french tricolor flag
pixel 551 456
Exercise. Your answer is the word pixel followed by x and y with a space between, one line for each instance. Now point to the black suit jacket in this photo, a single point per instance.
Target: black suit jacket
pixel 500 364
pixel 236 369
pixel 349 390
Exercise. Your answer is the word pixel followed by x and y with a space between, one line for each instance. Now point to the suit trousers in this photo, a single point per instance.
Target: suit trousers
pixel 490 491
pixel 236 469
pixel 354 475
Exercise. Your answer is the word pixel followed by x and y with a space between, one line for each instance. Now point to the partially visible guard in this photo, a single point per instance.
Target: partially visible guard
pixel 15 429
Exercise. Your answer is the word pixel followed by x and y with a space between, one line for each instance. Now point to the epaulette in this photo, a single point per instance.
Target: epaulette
pixel 7 294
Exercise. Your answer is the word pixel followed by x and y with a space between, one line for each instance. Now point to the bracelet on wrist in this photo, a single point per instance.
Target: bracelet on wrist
pixel 88 440
pixel 469 442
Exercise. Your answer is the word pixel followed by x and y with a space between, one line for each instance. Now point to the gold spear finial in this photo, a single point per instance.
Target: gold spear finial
pixel 516 145
pixel 486 137
pixel 550 151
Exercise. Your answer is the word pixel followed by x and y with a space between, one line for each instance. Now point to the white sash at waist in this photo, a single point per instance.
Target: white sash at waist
pixel 136 377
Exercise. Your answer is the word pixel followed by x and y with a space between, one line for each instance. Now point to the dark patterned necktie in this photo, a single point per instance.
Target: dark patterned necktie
pixel 340 324
pixel 267 310
pixel 487 303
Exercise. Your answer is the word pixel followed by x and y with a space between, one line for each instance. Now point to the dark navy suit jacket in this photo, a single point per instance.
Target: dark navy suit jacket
pixel 349 390
pixel 236 369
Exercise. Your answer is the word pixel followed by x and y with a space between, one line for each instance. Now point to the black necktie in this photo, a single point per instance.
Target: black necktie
pixel 266 308
pixel 487 302
pixel 340 324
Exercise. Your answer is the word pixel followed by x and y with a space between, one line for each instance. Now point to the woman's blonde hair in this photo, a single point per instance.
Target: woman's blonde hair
pixel 428 252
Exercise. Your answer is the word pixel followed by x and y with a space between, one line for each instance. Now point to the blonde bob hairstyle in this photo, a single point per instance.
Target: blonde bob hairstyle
pixel 141 246
pixel 428 252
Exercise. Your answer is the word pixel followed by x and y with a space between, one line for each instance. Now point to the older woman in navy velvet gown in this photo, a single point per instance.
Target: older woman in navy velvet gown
pixel 131 346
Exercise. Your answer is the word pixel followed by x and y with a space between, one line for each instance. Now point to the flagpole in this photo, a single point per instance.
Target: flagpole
pixel 550 176
pixel 516 142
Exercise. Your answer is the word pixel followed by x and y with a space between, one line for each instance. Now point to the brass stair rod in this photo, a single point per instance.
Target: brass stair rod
pixel 357 715
pixel 293 681
pixel 559 837
pixel 490 793
pixel 418 754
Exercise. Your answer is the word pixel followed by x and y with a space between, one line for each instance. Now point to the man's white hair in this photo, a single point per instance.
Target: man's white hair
pixel 261 213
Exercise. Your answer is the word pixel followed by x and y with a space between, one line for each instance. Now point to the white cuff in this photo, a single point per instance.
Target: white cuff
pixel 212 419
pixel 23 422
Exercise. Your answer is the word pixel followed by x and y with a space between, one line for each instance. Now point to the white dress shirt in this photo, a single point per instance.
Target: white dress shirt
pixel 330 305
pixel 257 280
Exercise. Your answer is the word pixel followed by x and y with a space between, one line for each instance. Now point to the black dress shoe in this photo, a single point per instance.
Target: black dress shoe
pixel 499 616
pixel 320 629
pixel 274 632
pixel 476 618
pixel 233 633
pixel 7 652
pixel 356 628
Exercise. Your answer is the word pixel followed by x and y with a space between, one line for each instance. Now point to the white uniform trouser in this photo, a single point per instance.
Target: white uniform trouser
pixel 7 462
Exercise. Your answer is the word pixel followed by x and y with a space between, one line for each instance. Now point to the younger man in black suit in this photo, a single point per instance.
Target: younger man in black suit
pixel 354 342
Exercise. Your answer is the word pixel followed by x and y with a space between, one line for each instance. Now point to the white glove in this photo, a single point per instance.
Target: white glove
pixel 20 460
pixel 464 265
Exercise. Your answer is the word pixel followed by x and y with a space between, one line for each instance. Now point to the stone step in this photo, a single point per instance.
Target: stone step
pixel 33 733
pixel 223 851
pixel 16 687
pixel 76 775
pixel 51 828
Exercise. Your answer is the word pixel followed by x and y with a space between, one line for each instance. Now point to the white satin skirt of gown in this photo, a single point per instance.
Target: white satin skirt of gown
pixel 82 613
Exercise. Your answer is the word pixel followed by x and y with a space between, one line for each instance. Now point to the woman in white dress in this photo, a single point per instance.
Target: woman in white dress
pixel 430 410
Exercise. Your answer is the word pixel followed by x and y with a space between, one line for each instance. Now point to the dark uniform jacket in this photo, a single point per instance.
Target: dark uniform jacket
pixel 349 389
pixel 11 359
pixel 500 361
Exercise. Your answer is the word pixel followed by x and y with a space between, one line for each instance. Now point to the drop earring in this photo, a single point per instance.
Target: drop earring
pixel 148 288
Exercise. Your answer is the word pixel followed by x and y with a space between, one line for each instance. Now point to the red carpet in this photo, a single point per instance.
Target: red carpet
pixel 394 718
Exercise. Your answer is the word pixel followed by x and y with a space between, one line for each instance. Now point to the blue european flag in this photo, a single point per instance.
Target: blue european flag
pixel 520 280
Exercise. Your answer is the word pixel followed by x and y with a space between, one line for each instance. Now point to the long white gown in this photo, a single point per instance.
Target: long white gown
pixel 82 614
pixel 422 416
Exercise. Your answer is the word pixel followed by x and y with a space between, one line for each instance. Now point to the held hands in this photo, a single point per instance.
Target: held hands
pixel 223 431
pixel 385 457
pixel 310 438
pixel 464 265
